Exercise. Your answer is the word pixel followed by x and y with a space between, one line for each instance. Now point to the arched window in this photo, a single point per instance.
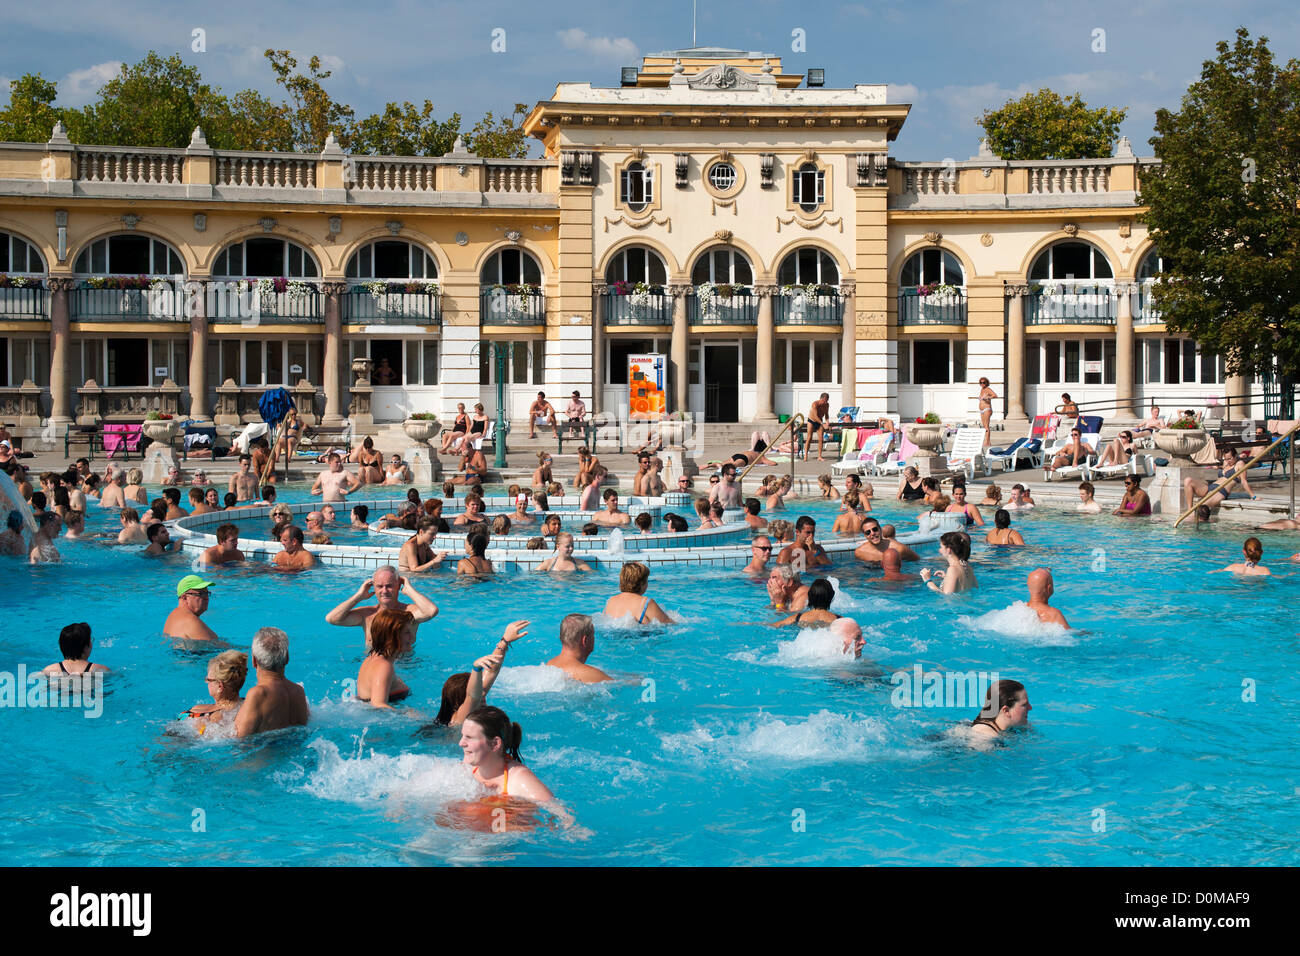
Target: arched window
pixel 265 257
pixel 129 255
pixel 808 266
pixel 722 267
pixel 511 267
pixel 931 267
pixel 1153 263
pixel 809 187
pixel 637 186
pixel 391 259
pixel 637 264
pixel 1070 260
pixel 19 256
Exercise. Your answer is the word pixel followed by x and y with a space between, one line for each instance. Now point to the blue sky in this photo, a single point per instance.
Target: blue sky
pixel 951 58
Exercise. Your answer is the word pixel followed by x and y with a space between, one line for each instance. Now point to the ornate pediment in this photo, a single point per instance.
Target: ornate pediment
pixel 724 76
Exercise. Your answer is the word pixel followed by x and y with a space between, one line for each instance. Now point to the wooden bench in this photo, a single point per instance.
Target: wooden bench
pixel 584 430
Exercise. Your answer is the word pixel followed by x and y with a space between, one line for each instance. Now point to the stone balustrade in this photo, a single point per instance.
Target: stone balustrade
pixel 21 404
pixel 127 403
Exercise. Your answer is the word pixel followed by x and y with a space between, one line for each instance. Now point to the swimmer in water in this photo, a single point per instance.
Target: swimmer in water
pixel 577 641
pixel 820 595
pixel 226 675
pixel 294 557
pixel 961 506
pixel 850 634
pixel 47 529
pixel 1253 550
pixel 335 483
pixel 360 514
pixel 551 526
pixel 75 645
pixel 904 552
pixel 160 541
pixel 274 701
pixel 11 539
pixel 1087 503
pixel 1003 534
pixel 464 693
pixel 133 532
pixel 475 561
pixel 891 562
pixel 872 550
pixel 388 587
pixel 805 546
pixel 1006 705
pixel 1041 589
pixel 631 601
pixel 191 604
pixel 226 550
pixel 1020 500
pixel 377 681
pixel 490 744
pixel 786 591
pixel 417 553
pixel 611 517
pixel 563 559
pixel 954 547
pixel 761 548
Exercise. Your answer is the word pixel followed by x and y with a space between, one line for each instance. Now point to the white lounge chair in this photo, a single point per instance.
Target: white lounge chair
pixel 967 452
pixel 858 462
pixel 894 462
pixel 1081 470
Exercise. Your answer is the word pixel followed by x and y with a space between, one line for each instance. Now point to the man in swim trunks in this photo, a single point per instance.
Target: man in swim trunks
pixel 726 491
pixel 387 586
pixel 642 474
pixel 1041 588
pixel 611 517
pixel 752 517
pixel 541 412
pixel 577 641
pixel 191 603
pixel 274 702
pixel 814 555
pixel 817 416
pixel 417 553
pixel 243 483
pixel 472 468
pixel 591 493
pixel 226 550
pixel 336 482
pixel 294 557
pixel 761 549
pixel 133 532
pixel 654 485
pixel 316 526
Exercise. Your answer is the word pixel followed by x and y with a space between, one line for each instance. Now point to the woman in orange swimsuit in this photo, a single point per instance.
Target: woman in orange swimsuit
pixel 490 743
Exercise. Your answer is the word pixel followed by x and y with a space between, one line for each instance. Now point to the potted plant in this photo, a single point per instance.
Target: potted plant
pixel 1180 441
pixel 159 427
pixel 675 428
pixel 421 427
pixel 925 433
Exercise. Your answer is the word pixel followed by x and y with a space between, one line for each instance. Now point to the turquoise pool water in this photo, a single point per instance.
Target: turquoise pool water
pixel 722 743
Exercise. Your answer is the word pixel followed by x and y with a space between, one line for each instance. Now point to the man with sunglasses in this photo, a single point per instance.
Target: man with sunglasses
pixel 871 551
pixel 727 491
pixel 761 549
pixel 1073 454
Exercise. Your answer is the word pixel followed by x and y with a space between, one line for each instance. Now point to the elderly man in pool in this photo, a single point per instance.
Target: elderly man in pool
pixel 387 586
pixel 275 701
pixel 191 603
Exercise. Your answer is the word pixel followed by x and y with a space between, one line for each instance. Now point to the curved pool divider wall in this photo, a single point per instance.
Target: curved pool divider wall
pixel 725 547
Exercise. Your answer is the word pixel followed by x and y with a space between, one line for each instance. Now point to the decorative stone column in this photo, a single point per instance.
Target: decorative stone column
pixel 333 352
pixel 764 406
pixel 1016 351
pixel 60 352
pixel 1124 351
pixel 362 391
pixel 196 302
pixel 849 347
pixel 1236 388
pixel 600 315
pixel 227 403
pixel 29 404
pixel 680 356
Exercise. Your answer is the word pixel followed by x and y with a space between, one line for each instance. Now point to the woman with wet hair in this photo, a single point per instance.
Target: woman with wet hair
pixel 490 743
pixel 1003 535
pixel 475 562
pixel 954 547
pixel 377 681
pixel 820 595
pixel 1006 705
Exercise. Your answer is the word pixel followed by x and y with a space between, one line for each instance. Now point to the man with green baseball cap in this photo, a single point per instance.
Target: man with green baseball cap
pixel 192 601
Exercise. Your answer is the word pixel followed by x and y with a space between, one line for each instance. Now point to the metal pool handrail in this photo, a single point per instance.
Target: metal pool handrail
pixel 1241 471
pixel 796 417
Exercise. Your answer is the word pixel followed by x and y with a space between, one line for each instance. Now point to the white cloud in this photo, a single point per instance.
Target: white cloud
pixel 614 48
pixel 80 86
pixel 903 93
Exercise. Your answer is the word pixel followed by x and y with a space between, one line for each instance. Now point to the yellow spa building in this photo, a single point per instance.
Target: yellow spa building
pixel 745 222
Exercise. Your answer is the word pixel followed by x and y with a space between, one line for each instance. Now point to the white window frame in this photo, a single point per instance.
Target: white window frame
pixel 1156 344
pixel 783 374
pixel 287 381
pixel 154 244
pixel 285 245
pixel 12 241
pixel 720 187
pixel 634 175
pixel 818 183
pixel 415 254
pixel 907 370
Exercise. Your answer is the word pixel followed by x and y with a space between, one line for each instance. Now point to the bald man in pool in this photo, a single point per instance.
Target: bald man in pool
pixel 1041 589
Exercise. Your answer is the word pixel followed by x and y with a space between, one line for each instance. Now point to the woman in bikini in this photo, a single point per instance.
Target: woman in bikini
pixel 986 398
pixel 371 462
pixel 474 562
pixel 828 490
pixel 849 521
pixel 75 645
pixel 1253 550
pixel 459 427
pixel 563 559
pixel 1003 535
pixel 377 681
pixel 961 505
pixel 954 547
pixel 820 595
pixel 1119 451
pixel 1135 502
pixel 631 600
pixel 1006 705
pixel 542 474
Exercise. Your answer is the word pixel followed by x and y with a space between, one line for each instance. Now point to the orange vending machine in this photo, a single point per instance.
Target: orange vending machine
pixel 647 401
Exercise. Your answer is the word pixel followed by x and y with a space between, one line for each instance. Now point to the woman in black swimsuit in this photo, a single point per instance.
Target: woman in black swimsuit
pixel 820 594
pixel 477 423
pixel 1011 710
pixel 75 645
pixel 459 426
pixel 909 489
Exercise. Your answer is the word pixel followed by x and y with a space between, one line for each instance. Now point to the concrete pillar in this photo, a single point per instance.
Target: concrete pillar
pixel 1016 351
pixel 60 349
pixel 1124 351
pixel 196 299
pixel 333 352
pixel 1236 388
pixel 600 317
pixel 679 354
pixel 849 349
pixel 764 407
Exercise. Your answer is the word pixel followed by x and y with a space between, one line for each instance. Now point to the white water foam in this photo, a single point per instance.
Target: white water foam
pixel 544 679
pixel 367 777
pixel 1020 622
pixel 823 737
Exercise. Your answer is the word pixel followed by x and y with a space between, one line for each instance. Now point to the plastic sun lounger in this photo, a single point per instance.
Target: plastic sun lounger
pixel 858 462
pixel 967 452
pixel 1081 470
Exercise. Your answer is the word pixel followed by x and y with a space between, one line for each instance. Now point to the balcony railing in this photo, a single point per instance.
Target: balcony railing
pixel 1146 312
pixel 1058 302
pixel 943 308
pixel 394 307
pixel 740 308
pixel 653 309
pixel 25 302
pixel 301 303
pixel 127 305
pixel 799 308
pixel 500 306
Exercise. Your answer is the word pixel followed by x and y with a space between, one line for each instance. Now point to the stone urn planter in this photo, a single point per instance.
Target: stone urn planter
pixel 421 430
pixel 926 438
pixel 161 431
pixel 1180 444
pixel 675 432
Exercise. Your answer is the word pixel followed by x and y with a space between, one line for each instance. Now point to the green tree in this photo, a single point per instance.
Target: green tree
pixel 30 115
pixel 499 138
pixel 247 120
pixel 1042 125
pixel 405 131
pixel 1223 210
pixel 312 113
pixel 156 102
